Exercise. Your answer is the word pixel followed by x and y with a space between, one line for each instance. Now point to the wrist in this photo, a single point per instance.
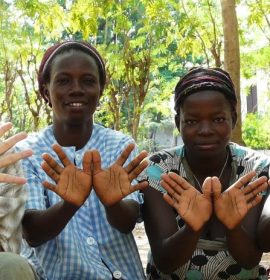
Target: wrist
pixel 234 230
pixel 70 207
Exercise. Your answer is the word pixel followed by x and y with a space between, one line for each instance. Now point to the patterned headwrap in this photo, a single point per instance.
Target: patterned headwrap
pixel 198 79
pixel 52 52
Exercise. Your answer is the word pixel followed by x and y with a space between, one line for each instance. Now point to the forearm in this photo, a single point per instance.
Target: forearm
pixel 123 215
pixel 263 236
pixel 243 248
pixel 176 250
pixel 39 226
pixel 263 231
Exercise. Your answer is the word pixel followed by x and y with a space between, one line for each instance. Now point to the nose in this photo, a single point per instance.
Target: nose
pixel 205 128
pixel 76 88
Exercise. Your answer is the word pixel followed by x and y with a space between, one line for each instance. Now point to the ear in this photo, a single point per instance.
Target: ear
pixel 234 118
pixel 47 95
pixel 177 121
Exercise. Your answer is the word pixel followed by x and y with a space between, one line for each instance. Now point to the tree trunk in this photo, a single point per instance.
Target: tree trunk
pixel 232 57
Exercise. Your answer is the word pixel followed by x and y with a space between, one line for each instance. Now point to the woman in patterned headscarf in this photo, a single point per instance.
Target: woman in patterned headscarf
pixel 206 198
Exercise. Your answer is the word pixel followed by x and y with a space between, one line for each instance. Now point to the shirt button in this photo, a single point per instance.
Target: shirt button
pixel 90 241
pixel 78 157
pixel 117 274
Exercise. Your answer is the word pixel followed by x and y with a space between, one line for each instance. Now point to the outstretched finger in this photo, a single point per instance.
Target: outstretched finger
pixel 11 179
pixel 87 162
pixel 14 157
pixel 173 189
pixel 254 185
pixel 136 161
pixel 255 201
pixel 125 154
pixel 137 171
pixel 140 186
pixel 52 163
pixel 50 171
pixel 178 180
pixel 4 127
pixel 244 180
pixel 10 142
pixel 169 200
pixel 255 191
pixel 49 186
pixel 61 154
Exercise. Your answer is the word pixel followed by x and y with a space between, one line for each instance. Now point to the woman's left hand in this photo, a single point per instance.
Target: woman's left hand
pixel 114 183
pixel 232 205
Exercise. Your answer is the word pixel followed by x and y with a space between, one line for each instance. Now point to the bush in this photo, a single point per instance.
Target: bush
pixel 256 130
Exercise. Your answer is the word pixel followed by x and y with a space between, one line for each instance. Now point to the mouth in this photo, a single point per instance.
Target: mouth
pixel 208 146
pixel 76 104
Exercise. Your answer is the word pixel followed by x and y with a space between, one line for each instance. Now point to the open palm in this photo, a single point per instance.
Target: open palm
pixel 114 183
pixel 195 208
pixel 72 184
pixel 9 157
pixel 232 205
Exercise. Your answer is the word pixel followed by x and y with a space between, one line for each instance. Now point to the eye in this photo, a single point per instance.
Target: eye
pixel 62 80
pixel 219 120
pixel 190 122
pixel 89 80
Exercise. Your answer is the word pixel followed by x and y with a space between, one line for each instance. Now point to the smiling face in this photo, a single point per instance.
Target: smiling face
pixel 74 87
pixel 206 123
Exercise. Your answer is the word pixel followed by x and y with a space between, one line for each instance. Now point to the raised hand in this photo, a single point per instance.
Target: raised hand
pixel 11 157
pixel 73 185
pixel 114 183
pixel 195 208
pixel 232 205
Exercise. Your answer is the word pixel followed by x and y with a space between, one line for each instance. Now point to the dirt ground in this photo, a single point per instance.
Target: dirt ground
pixel 143 246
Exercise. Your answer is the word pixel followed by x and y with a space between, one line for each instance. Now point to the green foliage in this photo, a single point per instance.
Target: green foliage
pixel 256 129
pixel 146 46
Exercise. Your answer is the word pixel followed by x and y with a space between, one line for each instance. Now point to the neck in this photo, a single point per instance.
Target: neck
pixel 73 134
pixel 204 167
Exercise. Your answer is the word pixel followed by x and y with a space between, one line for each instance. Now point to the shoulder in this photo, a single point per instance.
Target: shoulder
pixel 39 143
pixel 166 156
pixel 37 140
pixel 164 161
pixel 246 156
pixel 109 135
pixel 110 143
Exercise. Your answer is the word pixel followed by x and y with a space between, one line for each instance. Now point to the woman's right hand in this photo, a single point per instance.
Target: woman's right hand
pixel 195 208
pixel 73 185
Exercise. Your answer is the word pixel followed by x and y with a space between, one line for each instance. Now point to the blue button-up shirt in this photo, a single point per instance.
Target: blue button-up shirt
pixel 88 247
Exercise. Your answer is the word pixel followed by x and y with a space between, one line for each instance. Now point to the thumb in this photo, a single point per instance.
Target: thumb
pixel 207 187
pixel 216 187
pixel 96 160
pixel 87 162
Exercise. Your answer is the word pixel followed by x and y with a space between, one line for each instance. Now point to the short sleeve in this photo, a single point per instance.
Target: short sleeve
pixel 157 165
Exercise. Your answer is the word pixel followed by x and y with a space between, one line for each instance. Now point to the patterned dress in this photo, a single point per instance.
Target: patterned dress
pixel 211 259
